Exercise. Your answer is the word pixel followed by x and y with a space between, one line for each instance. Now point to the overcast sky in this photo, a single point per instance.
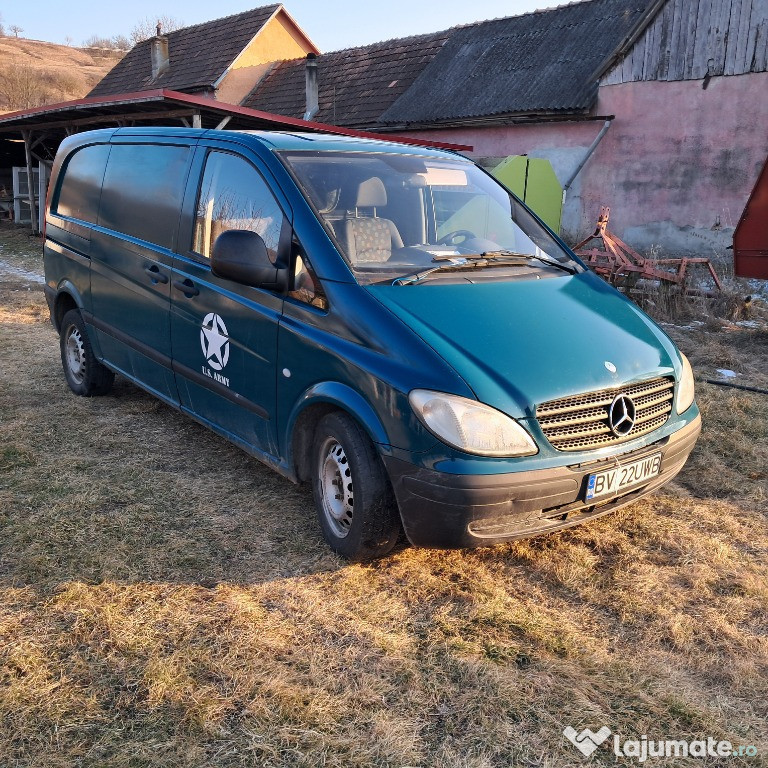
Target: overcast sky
pixel 331 24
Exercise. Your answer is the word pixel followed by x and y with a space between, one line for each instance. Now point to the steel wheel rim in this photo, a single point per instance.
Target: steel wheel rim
pixel 75 354
pixel 336 487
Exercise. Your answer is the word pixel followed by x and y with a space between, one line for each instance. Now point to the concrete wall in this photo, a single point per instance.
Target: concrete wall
pixel 676 166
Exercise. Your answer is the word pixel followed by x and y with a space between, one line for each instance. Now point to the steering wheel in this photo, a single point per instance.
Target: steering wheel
pixel 451 237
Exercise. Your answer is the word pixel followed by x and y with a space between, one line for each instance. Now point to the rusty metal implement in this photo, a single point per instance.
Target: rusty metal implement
pixel 621 265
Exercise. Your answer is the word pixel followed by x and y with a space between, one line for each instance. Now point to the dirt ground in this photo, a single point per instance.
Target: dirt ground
pixel 167 601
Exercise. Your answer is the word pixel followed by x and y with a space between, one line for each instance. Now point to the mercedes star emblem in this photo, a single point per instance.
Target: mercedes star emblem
pixel 621 415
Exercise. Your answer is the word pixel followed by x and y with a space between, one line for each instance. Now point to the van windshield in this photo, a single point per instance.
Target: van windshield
pixel 398 214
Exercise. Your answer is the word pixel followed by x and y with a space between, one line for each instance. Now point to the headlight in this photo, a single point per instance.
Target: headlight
pixel 471 426
pixel 685 392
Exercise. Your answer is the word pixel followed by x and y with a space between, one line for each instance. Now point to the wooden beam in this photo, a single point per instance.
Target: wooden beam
pixel 223 124
pixel 100 119
pixel 39 140
pixel 197 120
pixel 27 135
pixel 43 160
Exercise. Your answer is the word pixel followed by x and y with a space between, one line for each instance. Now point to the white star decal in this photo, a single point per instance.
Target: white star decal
pixel 214 341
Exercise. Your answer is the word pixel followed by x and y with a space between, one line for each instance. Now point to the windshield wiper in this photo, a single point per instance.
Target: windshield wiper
pixel 526 256
pixel 459 262
pixel 478 260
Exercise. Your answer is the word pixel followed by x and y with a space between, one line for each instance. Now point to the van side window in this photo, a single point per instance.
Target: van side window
pixel 233 195
pixel 143 190
pixel 305 285
pixel 80 184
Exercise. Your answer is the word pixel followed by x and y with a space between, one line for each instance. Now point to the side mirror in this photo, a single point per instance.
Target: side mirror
pixel 241 255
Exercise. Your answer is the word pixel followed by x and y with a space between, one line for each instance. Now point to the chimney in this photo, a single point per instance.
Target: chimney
pixel 159 53
pixel 313 104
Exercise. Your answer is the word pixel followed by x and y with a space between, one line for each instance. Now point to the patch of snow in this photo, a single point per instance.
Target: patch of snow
pixel 679 327
pixel 759 288
pixel 30 277
pixel 727 374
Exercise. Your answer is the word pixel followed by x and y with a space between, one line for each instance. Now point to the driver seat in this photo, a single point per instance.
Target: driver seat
pixel 369 237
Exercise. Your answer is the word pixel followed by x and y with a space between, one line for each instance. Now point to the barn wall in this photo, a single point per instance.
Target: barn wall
pixel 690 39
pixel 679 162
pixel 676 166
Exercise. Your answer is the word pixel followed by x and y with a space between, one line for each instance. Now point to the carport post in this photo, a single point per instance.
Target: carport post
pixel 30 180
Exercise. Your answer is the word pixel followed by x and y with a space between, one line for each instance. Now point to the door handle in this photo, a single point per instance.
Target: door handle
pixel 187 287
pixel 156 275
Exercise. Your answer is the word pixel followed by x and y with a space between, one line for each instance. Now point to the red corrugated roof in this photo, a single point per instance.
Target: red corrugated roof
pixel 100 110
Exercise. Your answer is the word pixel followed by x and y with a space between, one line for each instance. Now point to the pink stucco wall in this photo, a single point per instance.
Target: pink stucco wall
pixel 676 166
pixel 516 140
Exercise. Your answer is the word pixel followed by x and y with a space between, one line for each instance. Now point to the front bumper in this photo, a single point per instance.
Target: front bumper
pixel 449 511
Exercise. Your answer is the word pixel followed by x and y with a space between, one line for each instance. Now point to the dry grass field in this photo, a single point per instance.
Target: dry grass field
pixel 44 73
pixel 167 601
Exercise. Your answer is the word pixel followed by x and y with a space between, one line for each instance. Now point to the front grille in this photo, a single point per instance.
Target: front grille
pixel 580 422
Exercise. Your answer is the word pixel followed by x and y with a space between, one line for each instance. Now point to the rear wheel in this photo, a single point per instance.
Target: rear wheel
pixel 85 375
pixel 354 502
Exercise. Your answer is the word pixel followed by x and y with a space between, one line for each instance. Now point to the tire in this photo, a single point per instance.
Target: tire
pixel 360 520
pixel 85 375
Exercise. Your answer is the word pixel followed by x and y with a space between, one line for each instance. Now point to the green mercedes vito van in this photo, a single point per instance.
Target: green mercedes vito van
pixel 383 321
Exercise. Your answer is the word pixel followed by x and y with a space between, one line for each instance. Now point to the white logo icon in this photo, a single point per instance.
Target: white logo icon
pixel 610 366
pixel 214 341
pixel 587 741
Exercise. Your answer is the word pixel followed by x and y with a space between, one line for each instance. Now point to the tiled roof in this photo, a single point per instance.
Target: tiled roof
pixel 198 55
pixel 539 62
pixel 355 85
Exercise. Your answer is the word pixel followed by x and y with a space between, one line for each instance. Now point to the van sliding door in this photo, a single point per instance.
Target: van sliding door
pixel 132 251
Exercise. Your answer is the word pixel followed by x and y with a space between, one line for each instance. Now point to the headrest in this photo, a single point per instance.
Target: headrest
pixel 371 193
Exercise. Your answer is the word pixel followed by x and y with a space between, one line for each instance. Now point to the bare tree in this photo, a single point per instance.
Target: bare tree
pixel 147 27
pixel 2 29
pixel 15 28
pixel 68 40
pixel 116 43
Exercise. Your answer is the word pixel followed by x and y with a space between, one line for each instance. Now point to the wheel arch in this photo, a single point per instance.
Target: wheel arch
pixel 67 297
pixel 316 402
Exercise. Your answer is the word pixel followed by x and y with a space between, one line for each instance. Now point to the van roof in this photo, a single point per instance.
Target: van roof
pixel 294 140
pixel 273 140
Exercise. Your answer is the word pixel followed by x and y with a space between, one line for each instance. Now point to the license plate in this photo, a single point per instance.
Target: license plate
pixel 611 482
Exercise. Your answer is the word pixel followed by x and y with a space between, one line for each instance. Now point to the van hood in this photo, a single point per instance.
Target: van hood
pixel 521 343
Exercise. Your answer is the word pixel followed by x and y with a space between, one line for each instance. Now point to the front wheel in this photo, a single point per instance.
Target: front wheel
pixel 353 499
pixel 85 375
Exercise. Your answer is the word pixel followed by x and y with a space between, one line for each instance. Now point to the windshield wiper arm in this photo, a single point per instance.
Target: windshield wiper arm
pixel 478 260
pixel 528 256
pixel 456 262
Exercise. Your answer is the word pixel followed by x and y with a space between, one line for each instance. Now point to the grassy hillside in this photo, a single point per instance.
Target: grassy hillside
pixel 33 73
